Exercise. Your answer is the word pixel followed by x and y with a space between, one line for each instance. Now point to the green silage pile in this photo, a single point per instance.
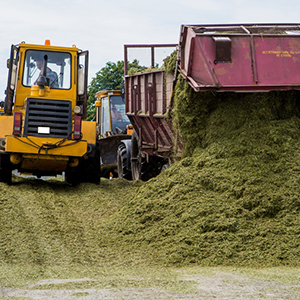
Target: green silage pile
pixel 234 198
pixel 49 223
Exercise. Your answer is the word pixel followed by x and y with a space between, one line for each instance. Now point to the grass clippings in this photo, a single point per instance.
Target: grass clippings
pixel 234 197
pixel 232 200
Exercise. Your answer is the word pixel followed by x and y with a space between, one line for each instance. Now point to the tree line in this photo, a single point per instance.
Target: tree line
pixel 110 77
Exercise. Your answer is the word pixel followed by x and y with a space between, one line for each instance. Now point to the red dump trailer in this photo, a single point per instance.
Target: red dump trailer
pixel 240 58
pixel 219 58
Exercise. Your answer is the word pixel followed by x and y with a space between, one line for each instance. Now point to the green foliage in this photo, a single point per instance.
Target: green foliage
pixel 110 77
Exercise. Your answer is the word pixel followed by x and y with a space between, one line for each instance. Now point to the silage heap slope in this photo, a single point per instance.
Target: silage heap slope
pixel 50 223
pixel 234 198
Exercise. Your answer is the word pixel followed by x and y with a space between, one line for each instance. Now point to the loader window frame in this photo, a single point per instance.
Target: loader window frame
pixel 13 66
pixel 60 64
pixel 105 125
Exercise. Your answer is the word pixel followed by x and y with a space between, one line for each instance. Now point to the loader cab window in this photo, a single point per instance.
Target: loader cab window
pixel 58 68
pixel 118 117
pixel 112 115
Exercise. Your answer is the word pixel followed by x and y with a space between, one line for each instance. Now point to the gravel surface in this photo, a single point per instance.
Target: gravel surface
pixel 221 285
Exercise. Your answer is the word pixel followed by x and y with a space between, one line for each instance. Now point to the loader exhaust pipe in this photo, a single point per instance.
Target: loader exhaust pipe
pixel 42 81
pixel 44 71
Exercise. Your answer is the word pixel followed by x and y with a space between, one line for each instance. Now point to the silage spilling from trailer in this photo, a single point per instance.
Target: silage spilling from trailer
pixel 234 198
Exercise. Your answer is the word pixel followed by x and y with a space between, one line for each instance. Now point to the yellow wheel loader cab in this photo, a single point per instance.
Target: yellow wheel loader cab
pixel 113 127
pixel 42 126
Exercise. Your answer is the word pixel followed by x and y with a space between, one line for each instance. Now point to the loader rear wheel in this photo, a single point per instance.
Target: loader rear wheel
pixel 122 163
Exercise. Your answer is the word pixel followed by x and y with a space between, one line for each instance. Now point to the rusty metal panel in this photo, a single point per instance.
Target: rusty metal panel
pixel 148 104
pixel 241 58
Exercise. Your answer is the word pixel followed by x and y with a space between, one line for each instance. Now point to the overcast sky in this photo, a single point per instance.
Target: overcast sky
pixel 104 26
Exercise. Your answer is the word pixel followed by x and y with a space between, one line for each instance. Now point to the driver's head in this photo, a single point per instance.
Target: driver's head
pixel 39 64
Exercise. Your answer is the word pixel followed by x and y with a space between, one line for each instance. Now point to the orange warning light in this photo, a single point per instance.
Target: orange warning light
pixel 47 43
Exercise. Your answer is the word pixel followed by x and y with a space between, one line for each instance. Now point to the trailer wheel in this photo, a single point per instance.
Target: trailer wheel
pixel 164 167
pixel 140 169
pixel 135 157
pixel 122 163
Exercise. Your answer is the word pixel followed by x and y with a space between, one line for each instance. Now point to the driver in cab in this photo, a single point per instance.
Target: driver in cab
pixel 51 75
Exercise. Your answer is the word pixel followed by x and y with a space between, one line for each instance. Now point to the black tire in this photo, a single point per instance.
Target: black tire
pixel 6 176
pixel 88 170
pixel 72 176
pixel 122 163
pixel 140 169
pixel 135 157
pixel 5 169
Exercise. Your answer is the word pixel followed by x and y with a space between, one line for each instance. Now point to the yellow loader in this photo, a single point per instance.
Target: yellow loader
pixel 43 131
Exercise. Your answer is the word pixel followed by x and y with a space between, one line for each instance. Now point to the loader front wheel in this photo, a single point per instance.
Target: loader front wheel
pixel 91 170
pixel 88 170
pixel 72 176
pixel 5 169
pixel 6 176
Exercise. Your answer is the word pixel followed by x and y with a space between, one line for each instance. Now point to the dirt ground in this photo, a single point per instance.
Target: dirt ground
pixel 219 285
